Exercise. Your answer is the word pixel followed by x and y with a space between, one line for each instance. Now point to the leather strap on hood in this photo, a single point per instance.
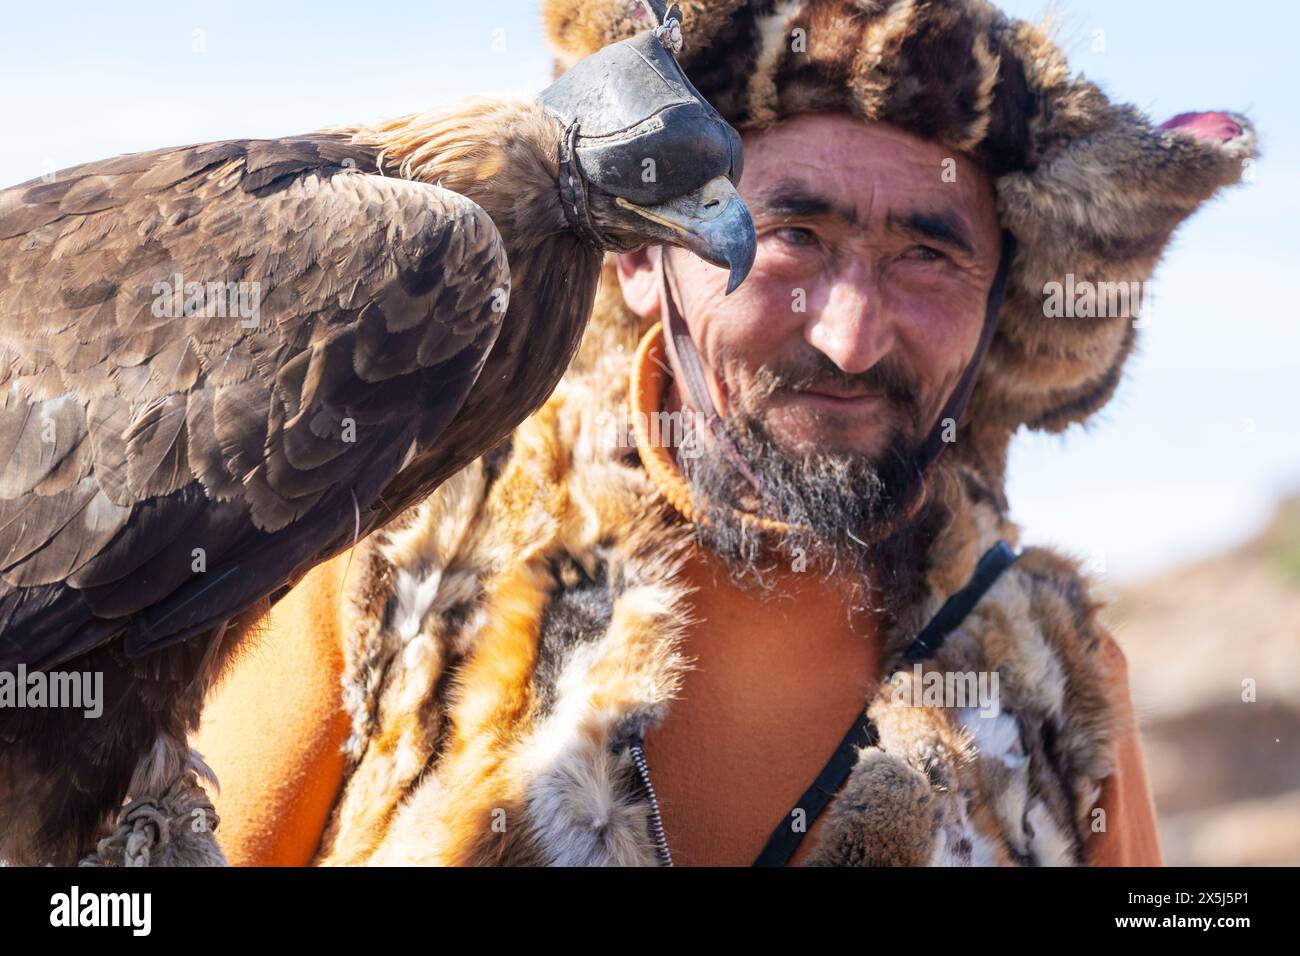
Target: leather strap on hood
pixel 955 407
pixel 686 361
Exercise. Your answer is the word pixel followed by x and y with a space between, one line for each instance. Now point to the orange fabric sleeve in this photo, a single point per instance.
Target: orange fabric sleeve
pixel 1130 836
pixel 274 727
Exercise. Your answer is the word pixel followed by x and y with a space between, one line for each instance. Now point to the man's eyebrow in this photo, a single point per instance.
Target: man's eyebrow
pixel 789 198
pixel 941 227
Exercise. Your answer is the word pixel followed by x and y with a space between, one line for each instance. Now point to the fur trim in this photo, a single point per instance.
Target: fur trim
pixel 1090 189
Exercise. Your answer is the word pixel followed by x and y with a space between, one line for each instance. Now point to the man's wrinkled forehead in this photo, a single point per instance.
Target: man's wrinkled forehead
pixel 867 175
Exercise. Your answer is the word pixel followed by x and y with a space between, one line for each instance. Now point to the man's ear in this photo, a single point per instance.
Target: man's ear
pixel 638 277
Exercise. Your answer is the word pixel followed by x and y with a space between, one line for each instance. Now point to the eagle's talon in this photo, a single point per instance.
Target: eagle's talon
pixel 144 827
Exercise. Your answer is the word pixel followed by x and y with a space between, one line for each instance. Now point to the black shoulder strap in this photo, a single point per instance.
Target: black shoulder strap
pixel 990 567
pixel 785 839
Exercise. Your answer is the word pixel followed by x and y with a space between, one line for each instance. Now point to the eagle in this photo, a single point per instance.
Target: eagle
pixel 223 364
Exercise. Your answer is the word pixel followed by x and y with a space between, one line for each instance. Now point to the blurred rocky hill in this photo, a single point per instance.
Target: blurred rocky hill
pixel 1225 771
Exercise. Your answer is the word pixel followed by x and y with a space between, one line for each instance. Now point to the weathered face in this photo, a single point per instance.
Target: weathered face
pixel 876 253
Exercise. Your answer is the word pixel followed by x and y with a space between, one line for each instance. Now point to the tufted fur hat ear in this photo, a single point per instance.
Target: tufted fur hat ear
pixel 1091 190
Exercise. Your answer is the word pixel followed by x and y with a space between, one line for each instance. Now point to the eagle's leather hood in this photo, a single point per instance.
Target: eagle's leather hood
pixel 637 111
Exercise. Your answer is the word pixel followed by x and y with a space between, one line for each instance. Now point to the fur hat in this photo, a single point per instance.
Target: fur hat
pixel 1091 190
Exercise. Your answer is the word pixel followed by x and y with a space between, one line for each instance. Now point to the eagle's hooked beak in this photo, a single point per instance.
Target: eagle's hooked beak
pixel 712 222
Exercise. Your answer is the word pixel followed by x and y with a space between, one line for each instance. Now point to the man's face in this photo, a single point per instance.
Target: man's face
pixel 876 252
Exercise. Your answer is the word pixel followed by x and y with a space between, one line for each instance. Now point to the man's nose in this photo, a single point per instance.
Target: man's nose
pixel 851 329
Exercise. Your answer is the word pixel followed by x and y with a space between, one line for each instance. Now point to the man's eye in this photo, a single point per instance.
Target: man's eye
pixel 796 235
pixel 923 254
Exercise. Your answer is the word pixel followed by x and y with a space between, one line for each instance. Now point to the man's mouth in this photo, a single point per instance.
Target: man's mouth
pixel 839 400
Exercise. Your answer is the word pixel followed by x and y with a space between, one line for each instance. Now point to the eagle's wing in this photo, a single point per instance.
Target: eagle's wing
pixel 160 471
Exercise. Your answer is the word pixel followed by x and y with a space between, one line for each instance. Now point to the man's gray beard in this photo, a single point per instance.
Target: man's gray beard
pixel 836 506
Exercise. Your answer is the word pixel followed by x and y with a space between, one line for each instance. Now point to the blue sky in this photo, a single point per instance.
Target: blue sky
pixel 1203 435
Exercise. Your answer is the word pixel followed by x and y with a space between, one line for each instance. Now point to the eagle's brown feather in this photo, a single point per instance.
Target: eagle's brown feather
pixel 383 277
pixel 106 405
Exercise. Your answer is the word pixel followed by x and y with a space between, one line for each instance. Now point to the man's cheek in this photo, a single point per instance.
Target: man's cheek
pixel 765 319
pixel 746 387
pixel 931 404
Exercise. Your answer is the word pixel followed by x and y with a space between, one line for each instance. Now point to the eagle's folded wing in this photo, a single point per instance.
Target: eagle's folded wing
pixel 176 467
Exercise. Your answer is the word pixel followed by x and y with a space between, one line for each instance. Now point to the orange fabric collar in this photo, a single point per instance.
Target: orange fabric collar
pixel 650 378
